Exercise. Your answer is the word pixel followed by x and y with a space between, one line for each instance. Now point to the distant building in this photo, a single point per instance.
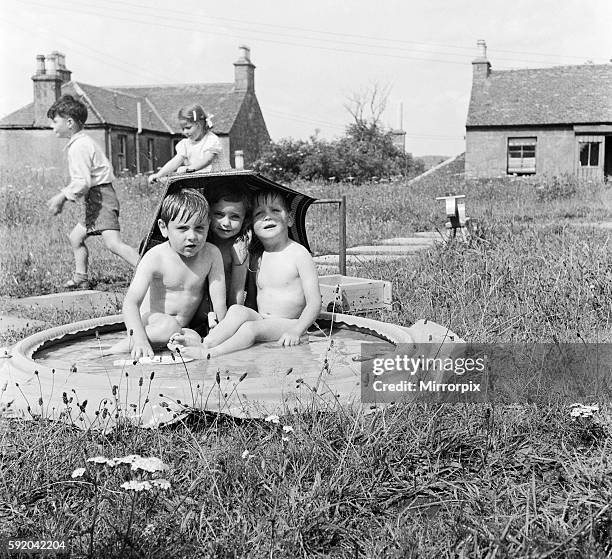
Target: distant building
pixel 138 126
pixel 545 121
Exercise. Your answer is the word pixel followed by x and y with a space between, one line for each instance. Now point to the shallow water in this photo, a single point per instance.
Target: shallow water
pixel 85 355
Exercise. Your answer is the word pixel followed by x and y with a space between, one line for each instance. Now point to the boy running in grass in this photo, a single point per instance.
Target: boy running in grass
pixel 288 295
pixel 91 176
pixel 173 275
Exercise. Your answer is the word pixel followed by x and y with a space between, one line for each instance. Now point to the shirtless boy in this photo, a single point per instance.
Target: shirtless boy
pixel 288 295
pixel 173 274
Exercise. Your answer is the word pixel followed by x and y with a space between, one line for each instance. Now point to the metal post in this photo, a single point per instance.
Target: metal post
pixel 138 133
pixel 342 235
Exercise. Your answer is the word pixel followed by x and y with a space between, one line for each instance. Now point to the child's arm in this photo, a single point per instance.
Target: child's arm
pixel 131 308
pixel 216 283
pixel 312 293
pixel 240 266
pixel 168 168
pixel 80 159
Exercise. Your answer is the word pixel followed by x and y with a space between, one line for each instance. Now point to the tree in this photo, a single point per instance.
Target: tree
pixel 366 150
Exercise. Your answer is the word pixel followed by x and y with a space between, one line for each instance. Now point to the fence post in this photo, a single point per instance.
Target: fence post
pixel 342 235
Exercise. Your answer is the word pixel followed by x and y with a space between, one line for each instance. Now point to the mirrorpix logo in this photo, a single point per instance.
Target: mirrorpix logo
pixel 409 376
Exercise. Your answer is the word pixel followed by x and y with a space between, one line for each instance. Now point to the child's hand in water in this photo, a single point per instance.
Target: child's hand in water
pixel 141 349
pixel 291 337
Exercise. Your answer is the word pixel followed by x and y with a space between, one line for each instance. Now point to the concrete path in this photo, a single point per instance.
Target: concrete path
pixel 95 302
pixel 388 249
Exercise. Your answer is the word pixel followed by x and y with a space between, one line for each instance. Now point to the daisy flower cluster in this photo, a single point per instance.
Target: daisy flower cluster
pixel 581 410
pixel 145 468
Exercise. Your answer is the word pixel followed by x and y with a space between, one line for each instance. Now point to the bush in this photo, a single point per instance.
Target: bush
pixel 365 152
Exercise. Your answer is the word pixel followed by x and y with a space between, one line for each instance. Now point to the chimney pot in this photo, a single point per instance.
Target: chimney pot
pixel 61 59
pixel 40 64
pixel 482 48
pixel 245 52
pixel 52 64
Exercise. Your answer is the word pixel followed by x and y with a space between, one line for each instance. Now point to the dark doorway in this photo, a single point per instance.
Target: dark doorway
pixel 608 158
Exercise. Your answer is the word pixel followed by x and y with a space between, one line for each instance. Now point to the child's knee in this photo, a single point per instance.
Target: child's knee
pixel 238 312
pixel 161 327
pixel 76 238
pixel 114 245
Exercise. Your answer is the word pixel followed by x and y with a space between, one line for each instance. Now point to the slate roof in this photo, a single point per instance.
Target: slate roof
pixel 558 95
pixel 159 105
pixel 218 99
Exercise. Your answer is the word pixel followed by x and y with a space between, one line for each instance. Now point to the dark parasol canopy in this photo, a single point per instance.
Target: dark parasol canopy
pixel 254 182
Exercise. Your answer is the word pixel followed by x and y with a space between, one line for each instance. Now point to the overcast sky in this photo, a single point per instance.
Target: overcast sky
pixel 310 55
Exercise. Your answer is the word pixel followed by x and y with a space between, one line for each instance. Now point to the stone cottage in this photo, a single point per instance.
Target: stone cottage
pixel 138 126
pixel 545 121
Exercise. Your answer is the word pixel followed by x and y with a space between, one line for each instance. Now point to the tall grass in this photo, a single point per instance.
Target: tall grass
pixel 407 481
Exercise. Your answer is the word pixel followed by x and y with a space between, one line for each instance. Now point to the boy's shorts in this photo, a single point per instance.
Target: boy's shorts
pixel 101 209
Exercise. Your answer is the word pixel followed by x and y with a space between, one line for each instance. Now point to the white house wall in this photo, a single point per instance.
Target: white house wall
pixel 487 151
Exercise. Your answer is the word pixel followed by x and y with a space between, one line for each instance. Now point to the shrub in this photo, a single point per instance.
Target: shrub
pixel 365 152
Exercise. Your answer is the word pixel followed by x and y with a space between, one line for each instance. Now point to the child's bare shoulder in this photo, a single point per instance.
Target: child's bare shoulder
pixel 298 251
pixel 156 255
pixel 209 252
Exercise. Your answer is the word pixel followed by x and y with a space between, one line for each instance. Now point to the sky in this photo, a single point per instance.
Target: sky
pixel 311 56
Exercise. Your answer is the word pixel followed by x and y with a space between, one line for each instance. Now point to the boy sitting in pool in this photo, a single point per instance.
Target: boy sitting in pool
pixel 288 295
pixel 173 274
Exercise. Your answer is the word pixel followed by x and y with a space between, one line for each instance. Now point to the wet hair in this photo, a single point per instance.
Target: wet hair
pixel 235 193
pixel 183 205
pixel 263 195
pixel 69 107
pixel 194 113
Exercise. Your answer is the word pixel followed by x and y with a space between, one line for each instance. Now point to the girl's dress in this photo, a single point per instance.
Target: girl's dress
pixel 195 150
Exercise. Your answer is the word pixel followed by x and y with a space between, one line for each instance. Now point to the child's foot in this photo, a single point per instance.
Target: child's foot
pixel 78 281
pixel 186 337
pixel 200 351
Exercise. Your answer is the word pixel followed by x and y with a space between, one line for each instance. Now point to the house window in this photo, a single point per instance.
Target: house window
pixel 589 154
pixel 122 153
pixel 150 155
pixel 521 156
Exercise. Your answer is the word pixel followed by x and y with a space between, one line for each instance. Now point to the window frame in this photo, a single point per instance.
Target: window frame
pixel 526 147
pixel 151 154
pixel 122 152
pixel 591 153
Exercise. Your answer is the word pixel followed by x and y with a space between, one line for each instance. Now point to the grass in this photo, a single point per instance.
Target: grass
pixel 408 481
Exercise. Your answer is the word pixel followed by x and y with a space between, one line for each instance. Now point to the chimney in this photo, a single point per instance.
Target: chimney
pixel 481 67
pixel 50 74
pixel 60 62
pixel 244 71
